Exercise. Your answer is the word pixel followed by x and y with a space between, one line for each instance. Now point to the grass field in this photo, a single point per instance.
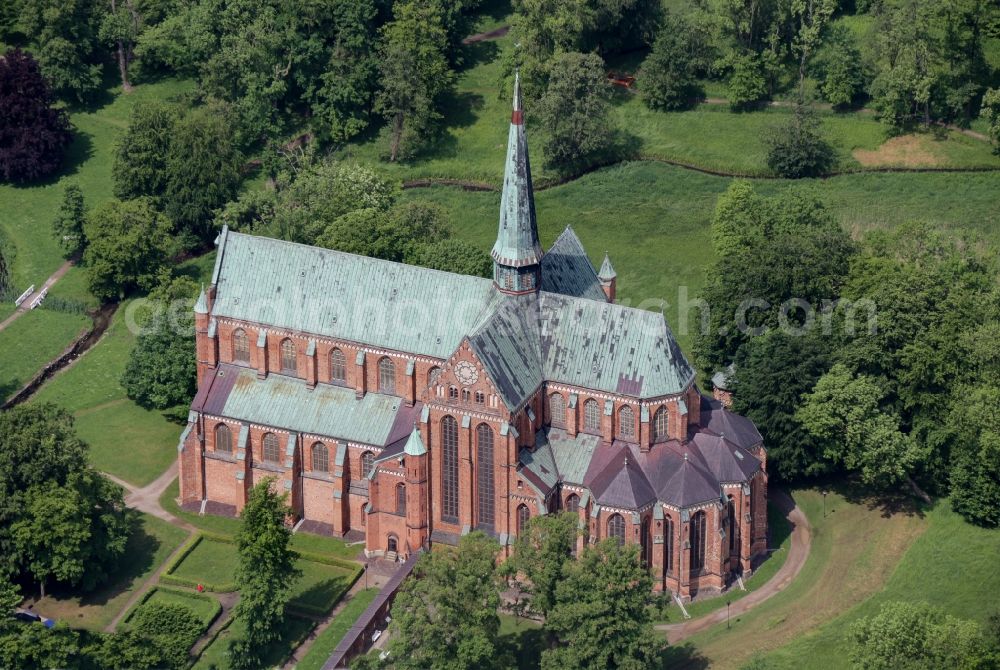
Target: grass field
pixel 152 540
pixel 126 440
pixel 952 565
pixel 855 550
pixel 328 640
pixel 205 607
pixel 32 341
pixel 29 210
pixel 654 219
pixel 216 655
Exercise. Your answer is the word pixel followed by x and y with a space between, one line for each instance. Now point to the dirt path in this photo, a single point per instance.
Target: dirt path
pixel 56 276
pixel 797 555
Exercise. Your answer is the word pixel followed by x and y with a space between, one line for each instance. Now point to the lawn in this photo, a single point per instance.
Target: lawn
pixel 781 541
pixel 216 655
pixel 855 550
pixel 328 640
pixel 654 219
pixel 126 440
pixel 525 639
pixel 205 607
pixel 152 540
pixel 32 341
pixel 211 562
pixel 29 210
pixel 952 565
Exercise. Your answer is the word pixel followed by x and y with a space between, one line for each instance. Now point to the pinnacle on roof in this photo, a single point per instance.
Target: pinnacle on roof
pixel 607 272
pixel 517 242
pixel 201 307
pixel 415 444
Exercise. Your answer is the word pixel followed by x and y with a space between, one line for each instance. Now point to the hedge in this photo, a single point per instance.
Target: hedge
pixel 193 595
pixel 168 576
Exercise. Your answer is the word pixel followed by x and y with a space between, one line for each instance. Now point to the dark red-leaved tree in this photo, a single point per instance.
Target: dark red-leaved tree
pixel 33 133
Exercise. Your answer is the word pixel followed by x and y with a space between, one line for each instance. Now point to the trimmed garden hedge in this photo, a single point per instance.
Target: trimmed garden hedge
pixel 192 595
pixel 168 576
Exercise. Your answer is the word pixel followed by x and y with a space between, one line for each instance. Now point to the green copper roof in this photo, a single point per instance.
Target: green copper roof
pixel 201 307
pixel 415 445
pixel 286 402
pixel 329 293
pixel 517 242
pixel 607 272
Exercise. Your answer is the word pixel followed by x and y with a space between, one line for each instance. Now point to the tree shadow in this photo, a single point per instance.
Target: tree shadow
pixel 321 596
pixel 8 388
pixel 140 553
pixel 478 53
pixel 901 500
pixel 685 657
pixel 79 151
pixel 526 645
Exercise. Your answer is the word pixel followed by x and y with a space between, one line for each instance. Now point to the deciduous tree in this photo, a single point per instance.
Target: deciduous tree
pixel 990 112
pixel 34 134
pixel 540 554
pixel 453 255
pixel 667 78
pixel 161 372
pixel 574 111
pixel 414 75
pixel 127 247
pixel 446 614
pixel 600 618
pixel 797 148
pixel 64 33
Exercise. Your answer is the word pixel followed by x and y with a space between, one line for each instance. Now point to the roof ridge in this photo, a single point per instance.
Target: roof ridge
pixel 337 252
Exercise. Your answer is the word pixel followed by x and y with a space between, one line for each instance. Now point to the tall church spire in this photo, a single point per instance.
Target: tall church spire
pixel 517 253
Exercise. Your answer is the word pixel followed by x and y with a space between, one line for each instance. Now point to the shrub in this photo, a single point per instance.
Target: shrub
pixel 747 83
pixel 667 77
pixel 798 149
pixel 990 112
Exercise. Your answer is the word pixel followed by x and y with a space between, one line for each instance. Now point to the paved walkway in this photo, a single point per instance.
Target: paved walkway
pixel 56 276
pixel 797 555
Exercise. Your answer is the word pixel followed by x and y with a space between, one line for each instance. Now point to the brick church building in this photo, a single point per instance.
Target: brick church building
pixel 407 406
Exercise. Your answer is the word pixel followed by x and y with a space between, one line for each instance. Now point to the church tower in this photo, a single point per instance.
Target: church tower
pixel 517 253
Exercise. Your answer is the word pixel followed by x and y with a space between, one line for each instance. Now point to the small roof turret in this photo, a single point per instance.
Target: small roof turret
pixel 415 445
pixel 607 272
pixel 201 307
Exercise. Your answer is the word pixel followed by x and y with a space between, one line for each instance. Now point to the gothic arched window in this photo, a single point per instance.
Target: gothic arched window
pixel 288 363
pixel 591 417
pixel 647 543
pixel 433 374
pixel 367 463
pixel 223 438
pixel 400 498
pixel 386 375
pixel 484 473
pixel 698 541
pixel 320 457
pixel 616 528
pixel 271 450
pixel 572 503
pixel 523 517
pixel 241 346
pixel 661 424
pixel 449 469
pixel 626 423
pixel 557 410
pixel 734 527
pixel 338 366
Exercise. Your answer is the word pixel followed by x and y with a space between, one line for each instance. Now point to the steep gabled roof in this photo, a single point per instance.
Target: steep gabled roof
pixel 622 483
pixel 610 348
pixel 506 342
pixel 725 460
pixel 567 270
pixel 720 421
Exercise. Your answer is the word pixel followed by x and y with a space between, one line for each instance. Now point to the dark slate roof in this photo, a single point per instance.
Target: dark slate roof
pixel 506 342
pixel 622 483
pixel 720 421
pixel 618 474
pixel 567 270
